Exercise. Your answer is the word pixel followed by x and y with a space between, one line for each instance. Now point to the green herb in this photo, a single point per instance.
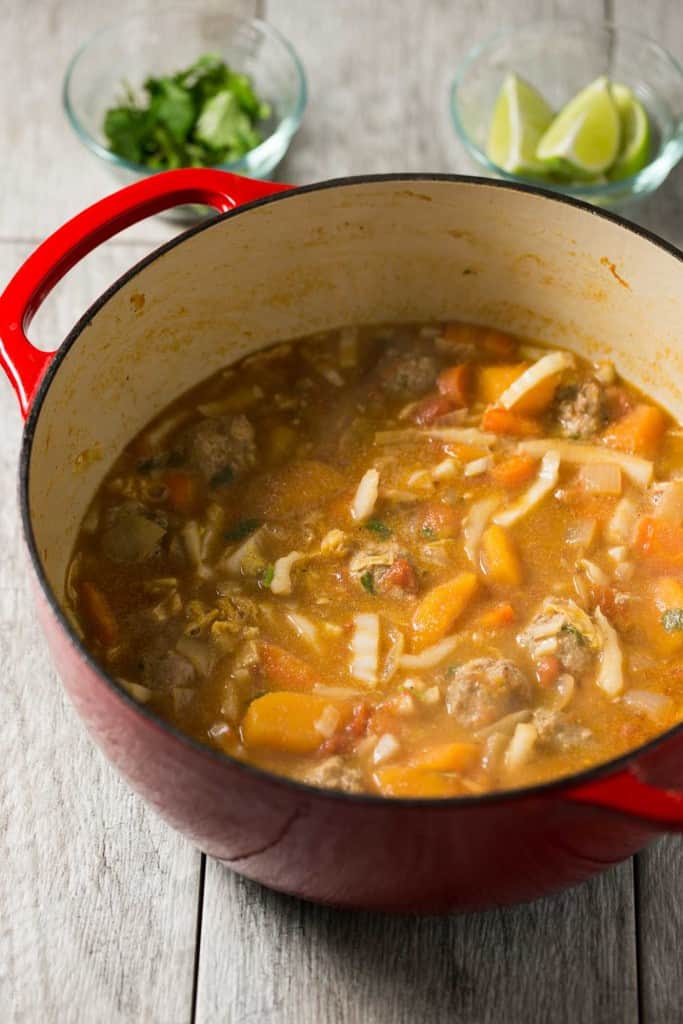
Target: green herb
pixel 242 530
pixel 199 117
pixel 267 575
pixel 367 582
pixel 378 527
pixel 166 460
pixel 223 476
pixel 428 532
pixel 672 620
pixel 576 633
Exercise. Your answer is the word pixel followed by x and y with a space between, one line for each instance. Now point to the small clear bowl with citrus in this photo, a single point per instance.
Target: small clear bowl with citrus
pixel 592 110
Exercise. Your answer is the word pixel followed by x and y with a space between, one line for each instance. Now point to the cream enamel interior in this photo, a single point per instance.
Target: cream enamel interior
pixel 361 252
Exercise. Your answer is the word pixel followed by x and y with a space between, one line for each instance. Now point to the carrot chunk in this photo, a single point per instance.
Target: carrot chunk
pixel 284 670
pixel 409 781
pixel 497 617
pixel 498 342
pixel 183 491
pixel 548 669
pixel 454 384
pixel 639 432
pixel 292 723
pixel 501 421
pixel 515 471
pixel 447 757
pixel 666 624
pixel 660 542
pixel 440 607
pixel 437 519
pixel 98 614
pixel 493 381
pixel 500 559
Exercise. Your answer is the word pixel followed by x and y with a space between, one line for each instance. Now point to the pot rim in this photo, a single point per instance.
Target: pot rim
pixel 538 790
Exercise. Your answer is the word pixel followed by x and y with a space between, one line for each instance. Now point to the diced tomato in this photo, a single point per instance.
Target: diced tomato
pixel 454 383
pixel 515 471
pixel 438 520
pixel 548 669
pixel 498 343
pixel 431 408
pixel 400 574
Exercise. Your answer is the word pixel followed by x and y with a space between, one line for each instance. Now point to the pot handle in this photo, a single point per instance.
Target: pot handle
pixel 627 794
pixel 25 364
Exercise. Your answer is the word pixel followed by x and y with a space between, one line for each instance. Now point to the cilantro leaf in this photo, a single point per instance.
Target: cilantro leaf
pixel 198 117
pixel 267 575
pixel 378 527
pixel 367 582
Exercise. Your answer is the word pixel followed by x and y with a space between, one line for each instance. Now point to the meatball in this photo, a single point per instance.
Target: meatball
pixel 406 374
pixel 165 671
pixel 485 689
pixel 335 774
pixel 580 410
pixel 561 628
pixel 222 445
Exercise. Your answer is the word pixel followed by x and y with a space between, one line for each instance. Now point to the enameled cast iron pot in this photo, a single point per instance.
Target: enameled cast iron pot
pixel 279 263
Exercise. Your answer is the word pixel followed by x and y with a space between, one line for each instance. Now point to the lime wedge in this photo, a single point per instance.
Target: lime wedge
pixel 520 117
pixel 583 140
pixel 634 152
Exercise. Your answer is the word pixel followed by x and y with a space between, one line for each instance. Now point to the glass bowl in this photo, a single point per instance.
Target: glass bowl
pixel 166 41
pixel 560 57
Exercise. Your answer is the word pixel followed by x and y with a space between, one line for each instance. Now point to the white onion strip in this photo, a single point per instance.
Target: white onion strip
pixel 431 656
pixel 365 647
pixel 638 470
pixel 366 496
pixel 610 677
pixel 549 366
pixel 543 484
pixel 282 573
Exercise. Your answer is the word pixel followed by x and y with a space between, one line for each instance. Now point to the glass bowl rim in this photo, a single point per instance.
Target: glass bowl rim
pixel 666 159
pixel 284 129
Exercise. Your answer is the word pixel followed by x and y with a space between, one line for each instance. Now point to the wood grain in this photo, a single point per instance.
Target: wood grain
pixel 658 870
pixel 270 959
pixel 98 899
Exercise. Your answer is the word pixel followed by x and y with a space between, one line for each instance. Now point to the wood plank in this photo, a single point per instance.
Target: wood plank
pixel 379 79
pixel 660 931
pixel 99 898
pixel 49 176
pixel 658 870
pixel 270 958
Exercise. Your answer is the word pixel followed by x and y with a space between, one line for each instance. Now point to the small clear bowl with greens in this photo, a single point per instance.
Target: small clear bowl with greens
pixel 186 87
pixel 559 58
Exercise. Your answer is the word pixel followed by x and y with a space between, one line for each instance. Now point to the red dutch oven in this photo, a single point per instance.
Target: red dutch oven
pixel 277 263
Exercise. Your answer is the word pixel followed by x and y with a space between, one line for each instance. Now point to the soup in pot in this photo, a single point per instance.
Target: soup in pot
pixel 410 560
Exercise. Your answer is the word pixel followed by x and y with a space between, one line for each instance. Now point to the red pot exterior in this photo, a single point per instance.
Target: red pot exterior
pixel 350 852
pixel 353 851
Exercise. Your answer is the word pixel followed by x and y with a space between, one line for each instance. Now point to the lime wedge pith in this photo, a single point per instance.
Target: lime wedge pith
pixel 583 140
pixel 520 117
pixel 635 134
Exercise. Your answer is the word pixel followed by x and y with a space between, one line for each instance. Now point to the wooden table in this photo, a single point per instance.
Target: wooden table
pixel 106 915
